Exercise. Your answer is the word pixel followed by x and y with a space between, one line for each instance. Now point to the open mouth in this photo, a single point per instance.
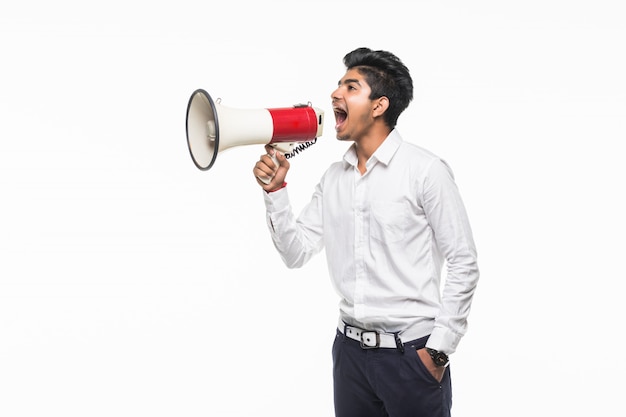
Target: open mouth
pixel 340 117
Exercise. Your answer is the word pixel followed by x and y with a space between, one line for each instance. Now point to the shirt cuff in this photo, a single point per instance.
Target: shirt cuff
pixel 276 200
pixel 279 188
pixel 443 340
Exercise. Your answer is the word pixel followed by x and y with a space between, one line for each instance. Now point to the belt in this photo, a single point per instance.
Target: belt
pixel 371 339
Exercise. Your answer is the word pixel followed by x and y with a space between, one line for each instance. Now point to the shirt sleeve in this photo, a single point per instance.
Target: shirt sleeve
pixel 449 221
pixel 296 240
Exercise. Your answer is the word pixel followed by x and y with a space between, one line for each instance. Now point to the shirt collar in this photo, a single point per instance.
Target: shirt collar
pixel 383 154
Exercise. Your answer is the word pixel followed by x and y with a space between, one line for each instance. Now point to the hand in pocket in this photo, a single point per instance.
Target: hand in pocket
pixel 435 371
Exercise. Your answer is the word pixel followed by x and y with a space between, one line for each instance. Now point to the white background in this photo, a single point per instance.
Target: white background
pixel 134 284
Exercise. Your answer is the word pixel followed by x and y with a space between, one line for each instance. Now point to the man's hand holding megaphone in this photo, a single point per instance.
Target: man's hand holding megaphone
pixel 271 169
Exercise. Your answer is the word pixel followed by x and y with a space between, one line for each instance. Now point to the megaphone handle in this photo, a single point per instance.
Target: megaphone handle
pixel 275 160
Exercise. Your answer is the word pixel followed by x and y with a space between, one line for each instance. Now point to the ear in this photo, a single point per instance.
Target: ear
pixel 381 105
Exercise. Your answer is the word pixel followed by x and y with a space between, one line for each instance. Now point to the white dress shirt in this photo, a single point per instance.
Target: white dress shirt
pixel 387 234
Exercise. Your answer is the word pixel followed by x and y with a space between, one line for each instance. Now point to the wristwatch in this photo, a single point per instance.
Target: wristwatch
pixel 440 358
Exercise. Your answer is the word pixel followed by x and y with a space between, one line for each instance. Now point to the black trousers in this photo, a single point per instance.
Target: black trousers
pixel 386 382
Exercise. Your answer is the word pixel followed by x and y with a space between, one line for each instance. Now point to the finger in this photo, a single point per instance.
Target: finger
pixel 269 161
pixel 281 160
pixel 261 170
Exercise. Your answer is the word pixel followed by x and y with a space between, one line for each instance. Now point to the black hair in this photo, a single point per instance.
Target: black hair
pixel 387 76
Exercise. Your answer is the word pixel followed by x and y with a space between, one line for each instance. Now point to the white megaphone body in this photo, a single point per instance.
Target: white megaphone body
pixel 213 128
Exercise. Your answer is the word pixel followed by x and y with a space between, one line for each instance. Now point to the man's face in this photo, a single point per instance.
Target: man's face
pixel 352 106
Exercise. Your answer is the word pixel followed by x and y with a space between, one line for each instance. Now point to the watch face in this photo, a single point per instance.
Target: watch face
pixel 440 358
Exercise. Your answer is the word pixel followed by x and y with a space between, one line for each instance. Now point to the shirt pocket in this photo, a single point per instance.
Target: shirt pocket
pixel 388 221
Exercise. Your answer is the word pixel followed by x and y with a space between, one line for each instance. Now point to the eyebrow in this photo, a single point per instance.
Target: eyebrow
pixel 349 81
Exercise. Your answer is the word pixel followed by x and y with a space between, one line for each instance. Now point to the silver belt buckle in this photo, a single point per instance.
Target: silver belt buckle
pixel 370 340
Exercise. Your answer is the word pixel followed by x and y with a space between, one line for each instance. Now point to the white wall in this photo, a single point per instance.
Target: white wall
pixel 133 284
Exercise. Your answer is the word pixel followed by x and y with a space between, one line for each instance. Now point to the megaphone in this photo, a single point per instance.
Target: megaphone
pixel 213 128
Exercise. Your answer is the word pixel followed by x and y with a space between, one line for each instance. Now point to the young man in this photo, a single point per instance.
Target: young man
pixel 388 215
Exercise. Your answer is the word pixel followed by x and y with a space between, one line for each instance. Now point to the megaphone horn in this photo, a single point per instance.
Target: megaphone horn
pixel 213 128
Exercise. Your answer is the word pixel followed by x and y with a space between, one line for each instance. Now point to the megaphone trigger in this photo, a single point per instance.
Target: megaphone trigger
pixel 274 158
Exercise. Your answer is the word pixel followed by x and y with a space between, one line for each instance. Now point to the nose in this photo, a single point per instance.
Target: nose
pixel 335 94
